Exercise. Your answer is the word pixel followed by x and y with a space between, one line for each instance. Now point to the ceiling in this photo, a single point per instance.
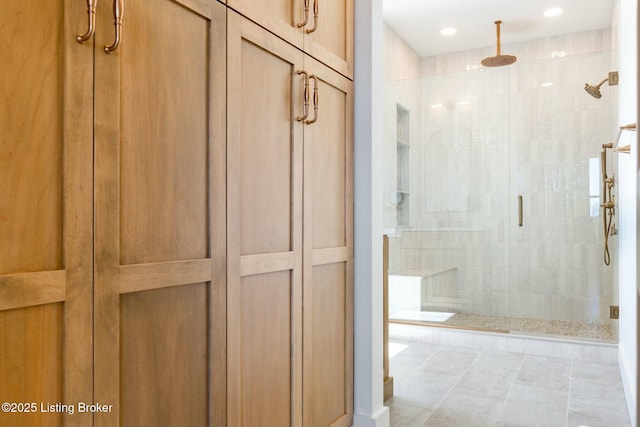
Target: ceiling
pixel 419 22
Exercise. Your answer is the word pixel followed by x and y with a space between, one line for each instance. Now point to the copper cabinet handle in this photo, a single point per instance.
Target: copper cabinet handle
pixel 520 211
pixel 315 17
pixel 118 11
pixel 315 99
pixel 91 11
pixel 306 15
pixel 306 95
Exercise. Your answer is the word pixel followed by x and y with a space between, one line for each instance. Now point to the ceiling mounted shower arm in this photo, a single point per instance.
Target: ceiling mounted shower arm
pixel 499 60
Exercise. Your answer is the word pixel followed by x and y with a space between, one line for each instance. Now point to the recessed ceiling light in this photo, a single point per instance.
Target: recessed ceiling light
pixel 436 105
pixel 448 31
pixel 547 84
pixel 556 11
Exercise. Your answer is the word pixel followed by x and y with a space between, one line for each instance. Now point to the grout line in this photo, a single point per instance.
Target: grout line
pixel 437 406
pixel 566 420
pixel 504 402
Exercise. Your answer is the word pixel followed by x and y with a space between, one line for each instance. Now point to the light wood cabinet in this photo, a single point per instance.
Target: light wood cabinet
pixel 328 252
pixel 46 262
pixel 322 28
pixel 159 211
pixel 112 209
pixel 264 305
pixel 290 319
pixel 183 255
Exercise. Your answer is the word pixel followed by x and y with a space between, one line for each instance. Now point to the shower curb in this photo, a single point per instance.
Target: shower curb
pixel 568 348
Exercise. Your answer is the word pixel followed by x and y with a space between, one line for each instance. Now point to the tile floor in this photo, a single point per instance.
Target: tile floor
pixel 443 386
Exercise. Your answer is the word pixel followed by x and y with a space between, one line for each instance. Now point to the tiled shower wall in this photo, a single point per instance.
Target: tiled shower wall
pixel 489 135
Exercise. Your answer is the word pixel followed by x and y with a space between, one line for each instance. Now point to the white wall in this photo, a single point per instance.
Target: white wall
pixel 627 206
pixel 402 70
pixel 369 410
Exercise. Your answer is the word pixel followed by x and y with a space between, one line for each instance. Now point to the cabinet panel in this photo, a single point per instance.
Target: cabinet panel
pixel 327 36
pixel 328 253
pixel 332 41
pixel 31 362
pixel 266 350
pixel 266 148
pixel 325 363
pixel 325 146
pixel 45 209
pixel 164 352
pixel 328 161
pixel 264 251
pixel 160 213
pixel 278 16
pixel 163 133
pixel 31 117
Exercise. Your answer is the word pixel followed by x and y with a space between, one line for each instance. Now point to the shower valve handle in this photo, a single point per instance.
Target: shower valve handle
pixel 608 205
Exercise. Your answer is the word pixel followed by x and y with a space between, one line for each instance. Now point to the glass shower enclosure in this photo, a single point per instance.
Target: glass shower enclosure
pixel 492 192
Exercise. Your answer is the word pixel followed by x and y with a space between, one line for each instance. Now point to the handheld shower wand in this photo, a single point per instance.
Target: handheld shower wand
pixel 608 201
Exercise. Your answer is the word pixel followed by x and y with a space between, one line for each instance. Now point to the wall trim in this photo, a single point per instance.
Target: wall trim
pixel 629 390
pixel 379 419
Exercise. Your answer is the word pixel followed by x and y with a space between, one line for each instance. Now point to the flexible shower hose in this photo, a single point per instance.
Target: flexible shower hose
pixel 607 230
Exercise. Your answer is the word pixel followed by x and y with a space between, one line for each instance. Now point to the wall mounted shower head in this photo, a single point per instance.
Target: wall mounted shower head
pixel 595 90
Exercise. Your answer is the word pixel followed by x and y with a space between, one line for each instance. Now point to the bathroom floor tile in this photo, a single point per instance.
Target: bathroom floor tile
pixel 410 358
pixel 546 372
pixel 598 419
pixel 465 410
pixel 424 391
pixel 444 386
pixel 492 374
pixel 527 405
pixel 404 414
pixel 597 404
pixel 597 373
pixel 449 360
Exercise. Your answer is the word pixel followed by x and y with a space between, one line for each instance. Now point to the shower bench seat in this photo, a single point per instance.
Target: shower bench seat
pixel 411 290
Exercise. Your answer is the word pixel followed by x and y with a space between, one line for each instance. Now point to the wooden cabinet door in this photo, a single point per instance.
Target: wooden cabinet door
pixel 329 37
pixel 281 17
pixel 328 252
pixel 45 211
pixel 160 213
pixel 326 35
pixel 264 304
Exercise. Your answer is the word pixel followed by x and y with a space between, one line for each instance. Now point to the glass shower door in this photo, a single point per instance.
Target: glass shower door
pixel 449 261
pixel 559 284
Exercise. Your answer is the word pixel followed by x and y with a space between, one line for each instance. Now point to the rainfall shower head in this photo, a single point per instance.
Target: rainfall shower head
pixel 499 60
pixel 595 90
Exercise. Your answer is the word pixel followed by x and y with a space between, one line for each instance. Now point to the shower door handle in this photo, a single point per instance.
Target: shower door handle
pixel 520 210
